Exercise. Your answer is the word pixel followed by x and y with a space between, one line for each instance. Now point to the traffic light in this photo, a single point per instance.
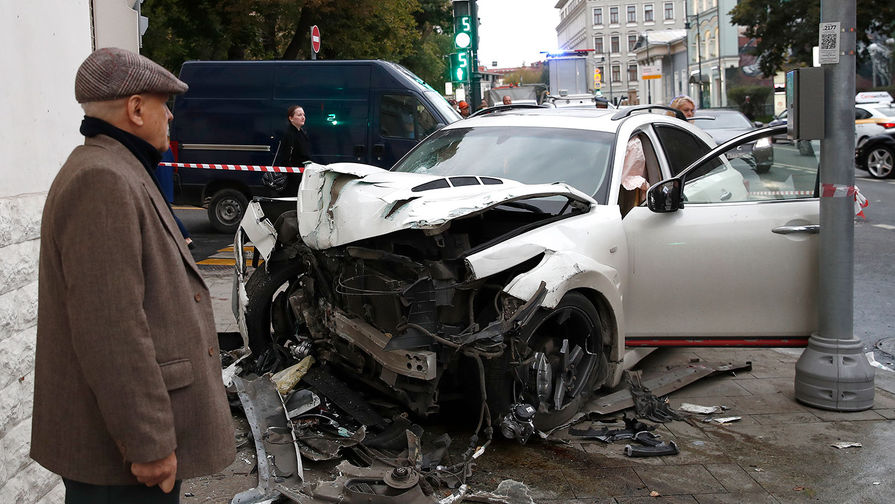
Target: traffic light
pixel 462 33
pixel 460 66
pixel 464 41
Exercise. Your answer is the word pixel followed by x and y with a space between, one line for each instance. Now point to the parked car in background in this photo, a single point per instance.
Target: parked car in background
pixel 532 254
pixel 877 155
pixel 874 118
pixel 864 129
pixel 724 124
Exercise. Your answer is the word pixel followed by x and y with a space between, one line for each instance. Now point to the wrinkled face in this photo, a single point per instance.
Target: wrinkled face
pixel 156 117
pixel 507 100
pixel 298 117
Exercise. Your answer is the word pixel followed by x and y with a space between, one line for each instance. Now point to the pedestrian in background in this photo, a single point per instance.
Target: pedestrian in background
pixel 683 103
pixel 507 100
pixel 464 108
pixel 128 398
pixel 294 150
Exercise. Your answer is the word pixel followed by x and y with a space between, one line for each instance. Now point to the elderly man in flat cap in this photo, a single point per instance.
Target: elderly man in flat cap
pixel 128 397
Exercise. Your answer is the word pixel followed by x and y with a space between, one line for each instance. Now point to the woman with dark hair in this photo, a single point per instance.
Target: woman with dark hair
pixel 294 150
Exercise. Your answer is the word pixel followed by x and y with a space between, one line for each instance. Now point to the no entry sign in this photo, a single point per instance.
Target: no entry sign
pixel 315 39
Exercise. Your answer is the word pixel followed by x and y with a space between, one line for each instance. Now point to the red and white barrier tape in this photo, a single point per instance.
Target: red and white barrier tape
pixel 232 167
pixel 844 191
pixel 782 193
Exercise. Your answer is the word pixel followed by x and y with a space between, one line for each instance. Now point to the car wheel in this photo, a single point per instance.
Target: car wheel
pixel 226 209
pixel 561 363
pixel 880 162
pixel 268 316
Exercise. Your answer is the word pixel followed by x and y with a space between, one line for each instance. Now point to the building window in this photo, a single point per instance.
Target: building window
pixel 632 72
pixel 598 16
pixel 669 11
pixel 613 15
pixel 648 13
pixel 598 44
pixel 613 43
pixel 632 41
pixel 632 14
pixel 616 73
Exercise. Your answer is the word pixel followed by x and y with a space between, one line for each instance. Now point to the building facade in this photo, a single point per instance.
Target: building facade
pixel 714 49
pixel 612 29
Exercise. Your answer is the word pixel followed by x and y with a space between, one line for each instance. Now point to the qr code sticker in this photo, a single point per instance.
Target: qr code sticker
pixel 828 41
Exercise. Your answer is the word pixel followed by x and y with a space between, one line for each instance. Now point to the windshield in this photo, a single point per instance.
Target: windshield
pixel 730 120
pixel 532 155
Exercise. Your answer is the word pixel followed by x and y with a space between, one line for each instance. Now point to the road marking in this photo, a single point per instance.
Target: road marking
pixel 884 226
pixel 224 257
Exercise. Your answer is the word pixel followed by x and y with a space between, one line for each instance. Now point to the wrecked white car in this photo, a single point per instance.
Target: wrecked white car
pixel 522 259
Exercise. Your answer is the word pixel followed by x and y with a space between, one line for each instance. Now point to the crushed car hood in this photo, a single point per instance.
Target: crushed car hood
pixel 345 202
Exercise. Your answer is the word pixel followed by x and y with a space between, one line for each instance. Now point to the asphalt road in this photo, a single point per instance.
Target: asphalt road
pixel 874 287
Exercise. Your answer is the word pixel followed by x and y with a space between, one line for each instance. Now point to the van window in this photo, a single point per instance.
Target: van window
pixel 227 81
pixel 304 82
pixel 404 116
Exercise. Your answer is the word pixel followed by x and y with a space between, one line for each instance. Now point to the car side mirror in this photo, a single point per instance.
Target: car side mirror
pixel 758 124
pixel 665 197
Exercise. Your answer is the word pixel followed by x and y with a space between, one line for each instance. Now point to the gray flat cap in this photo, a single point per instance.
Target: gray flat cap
pixel 111 73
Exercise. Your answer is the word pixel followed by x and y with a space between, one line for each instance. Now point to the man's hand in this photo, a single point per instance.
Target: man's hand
pixel 161 472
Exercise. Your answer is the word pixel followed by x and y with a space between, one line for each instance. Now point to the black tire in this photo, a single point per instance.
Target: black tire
pixel 880 161
pixel 268 316
pixel 226 208
pixel 574 319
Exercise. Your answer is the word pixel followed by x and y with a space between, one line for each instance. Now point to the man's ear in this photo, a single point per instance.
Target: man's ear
pixel 134 109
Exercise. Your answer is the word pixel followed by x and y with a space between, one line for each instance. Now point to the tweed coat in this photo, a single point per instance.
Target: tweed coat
pixel 127 367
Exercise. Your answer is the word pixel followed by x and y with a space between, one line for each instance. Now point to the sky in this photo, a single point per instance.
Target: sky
pixel 516 31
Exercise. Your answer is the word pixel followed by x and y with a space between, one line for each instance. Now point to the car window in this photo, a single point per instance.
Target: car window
pixel 681 147
pixel 861 113
pixel 532 155
pixel 759 170
pixel 404 116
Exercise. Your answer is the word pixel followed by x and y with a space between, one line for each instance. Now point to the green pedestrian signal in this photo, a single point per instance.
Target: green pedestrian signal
pixel 460 66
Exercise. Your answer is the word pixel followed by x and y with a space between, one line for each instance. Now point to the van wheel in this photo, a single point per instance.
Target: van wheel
pixel 226 209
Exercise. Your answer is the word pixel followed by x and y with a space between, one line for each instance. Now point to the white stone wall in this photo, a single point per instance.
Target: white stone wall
pixel 43 43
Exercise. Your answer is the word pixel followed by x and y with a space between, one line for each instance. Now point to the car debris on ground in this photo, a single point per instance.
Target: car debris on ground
pixel 305 414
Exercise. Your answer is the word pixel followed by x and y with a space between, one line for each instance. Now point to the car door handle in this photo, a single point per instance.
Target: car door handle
pixel 379 151
pixel 784 230
pixel 359 151
pixel 726 195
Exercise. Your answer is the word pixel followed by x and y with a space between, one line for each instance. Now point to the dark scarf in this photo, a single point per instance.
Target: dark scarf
pixel 148 156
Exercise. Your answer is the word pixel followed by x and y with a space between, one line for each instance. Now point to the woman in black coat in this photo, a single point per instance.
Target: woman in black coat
pixel 294 150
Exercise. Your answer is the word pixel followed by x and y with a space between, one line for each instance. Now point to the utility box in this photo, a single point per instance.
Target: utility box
pixel 805 103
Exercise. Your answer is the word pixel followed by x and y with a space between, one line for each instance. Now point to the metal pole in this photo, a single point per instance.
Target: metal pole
pixel 832 372
pixel 649 87
pixel 609 67
pixel 475 77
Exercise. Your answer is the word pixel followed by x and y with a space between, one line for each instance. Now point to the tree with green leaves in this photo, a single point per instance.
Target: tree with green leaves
pixel 786 30
pixel 410 32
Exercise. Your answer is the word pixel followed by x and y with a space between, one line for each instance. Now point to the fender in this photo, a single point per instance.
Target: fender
pixel 568 271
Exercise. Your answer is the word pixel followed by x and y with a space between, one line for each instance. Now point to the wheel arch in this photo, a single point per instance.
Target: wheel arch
pixel 565 272
pixel 214 186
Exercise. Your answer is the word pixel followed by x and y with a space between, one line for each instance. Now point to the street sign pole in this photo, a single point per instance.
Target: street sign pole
pixel 832 372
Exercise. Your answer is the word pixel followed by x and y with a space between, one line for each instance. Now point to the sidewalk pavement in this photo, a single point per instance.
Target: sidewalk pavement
pixel 779 452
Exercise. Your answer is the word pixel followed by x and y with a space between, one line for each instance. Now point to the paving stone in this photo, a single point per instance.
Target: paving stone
pixel 734 478
pixel 736 498
pixel 847 416
pixel 883 400
pixel 670 499
pixel 888 414
pixel 677 480
pixel 786 418
pixel 612 455
pixel 768 385
pixel 604 482
pixel 712 386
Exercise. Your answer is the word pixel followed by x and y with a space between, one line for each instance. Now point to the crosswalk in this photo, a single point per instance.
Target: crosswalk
pixel 224 257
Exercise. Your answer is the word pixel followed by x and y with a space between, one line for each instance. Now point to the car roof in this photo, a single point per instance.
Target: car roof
pixel 565 117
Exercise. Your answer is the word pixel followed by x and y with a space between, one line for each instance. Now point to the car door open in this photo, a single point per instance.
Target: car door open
pixel 728 255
